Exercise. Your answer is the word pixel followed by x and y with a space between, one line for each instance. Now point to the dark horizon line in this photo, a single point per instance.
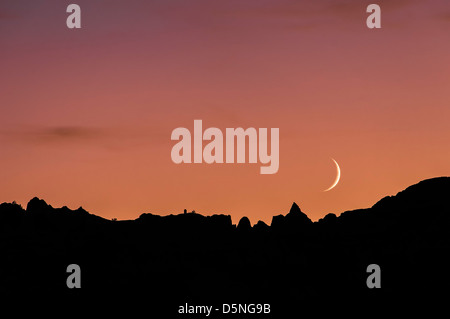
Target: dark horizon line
pixel 295 210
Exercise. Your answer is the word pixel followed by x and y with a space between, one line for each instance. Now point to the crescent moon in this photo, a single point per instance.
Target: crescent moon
pixel 338 177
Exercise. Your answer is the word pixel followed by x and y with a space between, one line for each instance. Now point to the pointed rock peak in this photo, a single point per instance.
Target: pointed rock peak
pixel 37 204
pixel 295 215
pixel 295 209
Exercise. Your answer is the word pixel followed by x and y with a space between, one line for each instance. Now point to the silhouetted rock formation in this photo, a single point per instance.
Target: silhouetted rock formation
pixel 261 226
pixel 193 257
pixel 244 225
pixel 295 221
pixel 37 205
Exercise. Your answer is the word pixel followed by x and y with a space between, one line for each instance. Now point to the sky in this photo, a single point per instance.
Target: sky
pixel 86 114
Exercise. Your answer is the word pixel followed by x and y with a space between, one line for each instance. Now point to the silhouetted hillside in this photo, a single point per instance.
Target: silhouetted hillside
pixel 193 258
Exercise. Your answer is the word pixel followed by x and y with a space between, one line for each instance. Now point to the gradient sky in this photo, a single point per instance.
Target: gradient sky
pixel 86 115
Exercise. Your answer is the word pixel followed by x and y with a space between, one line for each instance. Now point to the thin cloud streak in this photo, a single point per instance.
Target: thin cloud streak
pixel 111 138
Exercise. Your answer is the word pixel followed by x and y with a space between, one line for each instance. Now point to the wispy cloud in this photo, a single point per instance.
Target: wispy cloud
pixel 104 137
pixel 58 136
pixel 69 133
pixel 54 134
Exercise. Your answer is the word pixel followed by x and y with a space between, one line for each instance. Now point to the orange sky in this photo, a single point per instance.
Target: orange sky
pixel 87 115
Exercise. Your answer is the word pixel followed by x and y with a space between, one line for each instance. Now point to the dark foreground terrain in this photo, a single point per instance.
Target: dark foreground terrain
pixel 161 263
